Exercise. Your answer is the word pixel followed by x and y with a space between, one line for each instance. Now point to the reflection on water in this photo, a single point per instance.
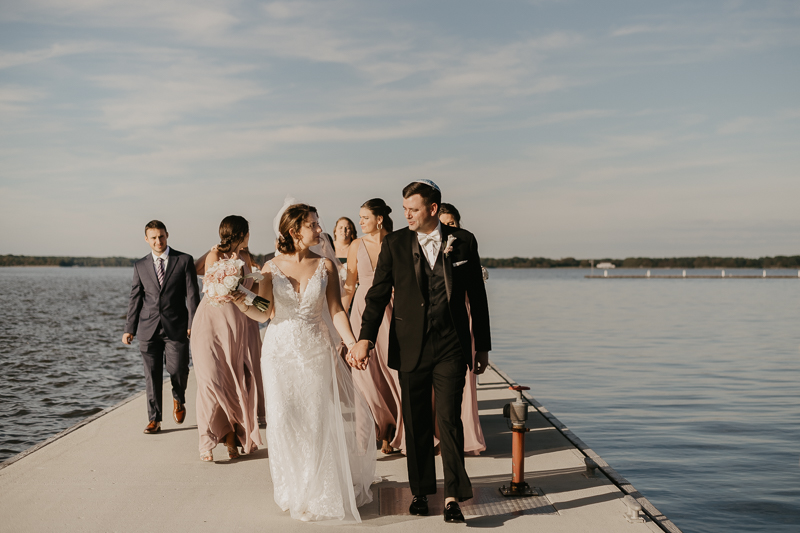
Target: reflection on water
pixel 687 387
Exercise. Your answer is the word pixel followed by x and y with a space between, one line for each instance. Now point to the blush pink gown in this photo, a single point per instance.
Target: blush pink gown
pixel 379 384
pixel 225 349
pixel 474 443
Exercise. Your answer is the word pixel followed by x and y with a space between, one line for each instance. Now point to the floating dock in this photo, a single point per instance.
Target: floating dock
pixel 104 474
pixel 684 276
pixel 691 277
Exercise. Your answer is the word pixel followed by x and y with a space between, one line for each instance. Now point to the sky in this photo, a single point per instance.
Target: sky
pixel 558 128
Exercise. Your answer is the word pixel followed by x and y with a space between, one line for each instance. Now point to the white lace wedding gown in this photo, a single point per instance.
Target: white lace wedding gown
pixel 320 433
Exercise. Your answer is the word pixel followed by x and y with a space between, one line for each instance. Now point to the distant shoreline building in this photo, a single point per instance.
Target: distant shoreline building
pixel 605 265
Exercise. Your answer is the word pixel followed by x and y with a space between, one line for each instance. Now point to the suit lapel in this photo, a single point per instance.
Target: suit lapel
pixel 150 269
pixel 416 254
pixel 447 262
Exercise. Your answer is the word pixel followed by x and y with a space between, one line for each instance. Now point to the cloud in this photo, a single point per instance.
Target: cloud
pixel 691 35
pixel 633 30
pixel 183 88
pixel 15 59
pixel 16 99
pixel 560 120
pixel 188 18
pixel 758 124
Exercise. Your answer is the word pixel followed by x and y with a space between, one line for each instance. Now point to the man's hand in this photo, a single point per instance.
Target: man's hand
pixel 359 355
pixel 188 333
pixel 481 362
pixel 127 338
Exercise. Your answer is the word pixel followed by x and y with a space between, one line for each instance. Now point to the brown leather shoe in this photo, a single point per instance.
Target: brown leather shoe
pixel 152 427
pixel 179 412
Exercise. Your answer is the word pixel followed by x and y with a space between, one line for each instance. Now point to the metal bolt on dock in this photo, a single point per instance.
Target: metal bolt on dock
pixel 591 467
pixel 633 513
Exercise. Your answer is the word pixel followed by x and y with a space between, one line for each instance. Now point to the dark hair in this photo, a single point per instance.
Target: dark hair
pixel 450 209
pixel 154 224
pixel 232 231
pixel 429 194
pixel 379 208
pixel 351 228
pixel 292 219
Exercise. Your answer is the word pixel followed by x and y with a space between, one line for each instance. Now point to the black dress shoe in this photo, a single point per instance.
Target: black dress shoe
pixel 452 513
pixel 419 506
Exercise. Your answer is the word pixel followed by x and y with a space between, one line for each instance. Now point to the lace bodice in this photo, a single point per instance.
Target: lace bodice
pixel 290 304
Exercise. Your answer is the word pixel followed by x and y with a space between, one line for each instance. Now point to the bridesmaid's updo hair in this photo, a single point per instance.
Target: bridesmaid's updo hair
pixel 450 209
pixel 292 219
pixel 232 231
pixel 379 208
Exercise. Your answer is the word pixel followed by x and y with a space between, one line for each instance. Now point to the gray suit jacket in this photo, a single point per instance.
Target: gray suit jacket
pixel 172 305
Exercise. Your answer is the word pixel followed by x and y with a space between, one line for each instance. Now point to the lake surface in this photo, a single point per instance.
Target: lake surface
pixel 689 388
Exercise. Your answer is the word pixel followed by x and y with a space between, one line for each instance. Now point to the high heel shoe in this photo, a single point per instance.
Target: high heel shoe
pixel 230 443
pixel 233 452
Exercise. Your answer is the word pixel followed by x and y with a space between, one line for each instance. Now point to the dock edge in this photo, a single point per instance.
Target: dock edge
pixel 64 433
pixel 615 477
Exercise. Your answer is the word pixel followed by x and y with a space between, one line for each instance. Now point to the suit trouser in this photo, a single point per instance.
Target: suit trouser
pixel 443 370
pixel 154 352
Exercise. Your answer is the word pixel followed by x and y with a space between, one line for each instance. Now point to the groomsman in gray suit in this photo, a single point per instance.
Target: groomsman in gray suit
pixel 164 297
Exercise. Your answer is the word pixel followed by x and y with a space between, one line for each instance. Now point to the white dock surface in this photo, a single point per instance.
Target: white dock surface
pixel 106 475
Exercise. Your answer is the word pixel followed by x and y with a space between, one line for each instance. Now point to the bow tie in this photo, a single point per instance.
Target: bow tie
pixel 432 237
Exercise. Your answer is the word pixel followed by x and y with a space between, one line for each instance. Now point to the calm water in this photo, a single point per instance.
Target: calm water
pixel 689 388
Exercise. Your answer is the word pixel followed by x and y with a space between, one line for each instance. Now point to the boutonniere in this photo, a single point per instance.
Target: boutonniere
pixel 449 246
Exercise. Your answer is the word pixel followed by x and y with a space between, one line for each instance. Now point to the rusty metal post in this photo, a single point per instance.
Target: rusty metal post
pixel 517 413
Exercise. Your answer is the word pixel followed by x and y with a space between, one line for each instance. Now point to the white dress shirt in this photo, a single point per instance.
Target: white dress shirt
pixel 430 244
pixel 164 256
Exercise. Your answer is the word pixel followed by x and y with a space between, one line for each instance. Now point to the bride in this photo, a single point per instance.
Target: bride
pixel 320 433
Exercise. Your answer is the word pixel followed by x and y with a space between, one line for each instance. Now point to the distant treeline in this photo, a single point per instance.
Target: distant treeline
pixel 30 260
pixel 780 261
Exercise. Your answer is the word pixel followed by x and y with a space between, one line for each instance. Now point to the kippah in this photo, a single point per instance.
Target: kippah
pixel 429 183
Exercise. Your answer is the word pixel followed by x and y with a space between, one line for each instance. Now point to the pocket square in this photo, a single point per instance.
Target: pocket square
pixel 459 263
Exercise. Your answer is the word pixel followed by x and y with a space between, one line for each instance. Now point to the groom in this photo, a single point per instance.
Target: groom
pixel 164 297
pixel 432 268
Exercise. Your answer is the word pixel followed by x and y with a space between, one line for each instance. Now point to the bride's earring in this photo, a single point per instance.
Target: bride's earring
pixel 380 226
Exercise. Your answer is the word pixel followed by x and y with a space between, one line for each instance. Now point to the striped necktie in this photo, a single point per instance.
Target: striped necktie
pixel 160 271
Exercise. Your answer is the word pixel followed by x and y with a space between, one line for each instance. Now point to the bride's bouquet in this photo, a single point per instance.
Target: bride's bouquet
pixel 224 278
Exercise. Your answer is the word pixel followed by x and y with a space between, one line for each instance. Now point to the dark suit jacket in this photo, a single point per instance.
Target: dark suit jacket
pixel 172 305
pixel 399 267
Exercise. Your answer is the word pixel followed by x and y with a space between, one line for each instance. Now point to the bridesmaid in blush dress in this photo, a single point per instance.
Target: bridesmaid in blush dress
pixel 379 384
pixel 225 344
pixel 253 336
pixel 474 443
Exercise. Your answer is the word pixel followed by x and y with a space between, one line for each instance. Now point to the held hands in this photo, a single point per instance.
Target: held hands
pixel 358 356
